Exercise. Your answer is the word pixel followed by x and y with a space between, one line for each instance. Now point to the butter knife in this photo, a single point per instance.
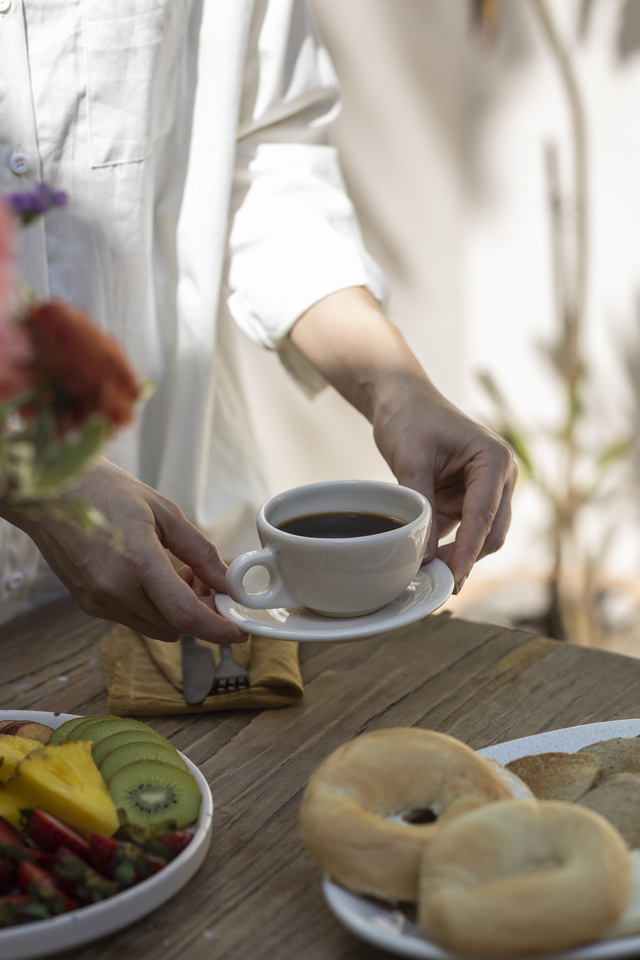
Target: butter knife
pixel 197 670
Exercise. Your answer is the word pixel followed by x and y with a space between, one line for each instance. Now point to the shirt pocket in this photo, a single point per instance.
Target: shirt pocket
pixel 132 49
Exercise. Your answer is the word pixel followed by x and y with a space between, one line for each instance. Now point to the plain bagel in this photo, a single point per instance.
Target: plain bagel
pixel 355 807
pixel 521 878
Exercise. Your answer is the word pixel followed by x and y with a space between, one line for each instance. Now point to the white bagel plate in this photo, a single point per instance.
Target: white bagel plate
pixel 388 928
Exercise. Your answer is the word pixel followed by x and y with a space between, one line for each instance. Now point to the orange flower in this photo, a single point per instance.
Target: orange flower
pixel 16 375
pixel 86 369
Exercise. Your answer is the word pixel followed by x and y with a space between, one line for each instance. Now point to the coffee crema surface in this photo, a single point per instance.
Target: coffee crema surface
pixel 341 525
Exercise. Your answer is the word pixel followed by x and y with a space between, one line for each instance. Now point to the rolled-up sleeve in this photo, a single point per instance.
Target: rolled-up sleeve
pixel 294 235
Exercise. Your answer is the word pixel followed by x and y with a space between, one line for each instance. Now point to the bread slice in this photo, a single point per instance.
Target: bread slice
pixel 619 755
pixel 618 799
pixel 559 776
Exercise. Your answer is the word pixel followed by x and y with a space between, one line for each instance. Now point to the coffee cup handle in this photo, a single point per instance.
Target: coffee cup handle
pixel 276 594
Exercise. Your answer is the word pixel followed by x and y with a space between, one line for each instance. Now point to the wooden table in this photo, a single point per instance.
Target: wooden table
pixel 258 897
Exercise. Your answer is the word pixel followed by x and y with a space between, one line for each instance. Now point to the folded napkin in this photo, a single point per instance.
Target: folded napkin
pixel 144 676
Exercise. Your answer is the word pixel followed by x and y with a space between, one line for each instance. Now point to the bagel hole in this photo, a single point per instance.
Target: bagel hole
pixel 421 815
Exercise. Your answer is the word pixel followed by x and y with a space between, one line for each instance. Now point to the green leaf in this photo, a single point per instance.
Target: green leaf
pixel 19 400
pixel 493 391
pixel 58 465
pixel 615 452
pixel 506 427
pixel 519 444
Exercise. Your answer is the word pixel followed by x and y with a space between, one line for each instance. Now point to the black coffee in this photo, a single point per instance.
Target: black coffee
pixel 340 526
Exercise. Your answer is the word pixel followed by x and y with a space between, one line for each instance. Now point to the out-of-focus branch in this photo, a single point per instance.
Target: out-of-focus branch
pixel 486 16
pixel 574 316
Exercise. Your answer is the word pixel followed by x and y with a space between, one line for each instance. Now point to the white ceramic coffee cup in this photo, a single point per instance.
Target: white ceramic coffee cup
pixel 345 577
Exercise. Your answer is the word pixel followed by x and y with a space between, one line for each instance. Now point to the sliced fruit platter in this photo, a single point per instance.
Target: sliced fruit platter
pixel 101 821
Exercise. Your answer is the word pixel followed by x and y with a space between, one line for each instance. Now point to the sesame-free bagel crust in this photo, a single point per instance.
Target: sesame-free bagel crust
pixel 520 878
pixel 345 811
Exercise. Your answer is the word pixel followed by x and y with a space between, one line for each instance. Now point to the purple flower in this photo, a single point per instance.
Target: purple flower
pixel 33 203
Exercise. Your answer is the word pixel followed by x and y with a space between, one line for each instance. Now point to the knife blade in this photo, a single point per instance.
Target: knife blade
pixel 198 671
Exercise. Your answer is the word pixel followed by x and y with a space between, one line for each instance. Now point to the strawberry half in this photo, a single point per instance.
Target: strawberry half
pixel 49 833
pixel 139 833
pixel 42 888
pixel 123 862
pixel 76 877
pixel 10 835
pixel 19 908
pixel 160 839
pixel 8 874
pixel 173 843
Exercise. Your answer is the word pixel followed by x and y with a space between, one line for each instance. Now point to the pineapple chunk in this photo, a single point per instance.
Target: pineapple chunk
pixel 65 781
pixel 10 809
pixel 12 751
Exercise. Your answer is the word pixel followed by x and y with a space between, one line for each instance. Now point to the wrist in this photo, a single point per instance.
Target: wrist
pixel 348 338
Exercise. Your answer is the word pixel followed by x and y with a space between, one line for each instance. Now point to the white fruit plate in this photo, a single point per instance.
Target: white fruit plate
pixel 81 926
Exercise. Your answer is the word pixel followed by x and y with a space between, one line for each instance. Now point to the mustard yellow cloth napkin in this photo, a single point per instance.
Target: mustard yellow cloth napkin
pixel 144 676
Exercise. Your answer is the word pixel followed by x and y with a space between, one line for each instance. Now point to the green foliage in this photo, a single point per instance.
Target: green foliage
pixel 507 427
pixel 56 464
pixel 37 465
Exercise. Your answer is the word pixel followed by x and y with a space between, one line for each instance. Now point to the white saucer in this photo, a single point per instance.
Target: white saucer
pixel 432 586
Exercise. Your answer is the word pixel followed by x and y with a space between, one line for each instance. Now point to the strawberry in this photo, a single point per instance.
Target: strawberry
pixel 9 835
pixel 169 845
pixel 139 833
pixel 161 839
pixel 7 875
pixel 76 877
pixel 49 833
pixel 120 861
pixel 39 857
pixel 42 888
pixel 11 842
pixel 19 908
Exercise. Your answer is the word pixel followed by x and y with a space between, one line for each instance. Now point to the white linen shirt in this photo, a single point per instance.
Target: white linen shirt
pixel 191 137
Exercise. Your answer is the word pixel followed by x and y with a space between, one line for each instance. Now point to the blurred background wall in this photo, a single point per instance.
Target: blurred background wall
pixel 442 137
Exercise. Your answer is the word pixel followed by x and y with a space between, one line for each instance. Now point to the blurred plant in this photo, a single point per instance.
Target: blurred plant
pixel 572 609
pixel 486 18
pixel 65 386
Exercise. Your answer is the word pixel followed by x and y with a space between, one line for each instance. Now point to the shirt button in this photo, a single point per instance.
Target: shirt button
pixel 19 162
pixel 16 580
pixel 4 6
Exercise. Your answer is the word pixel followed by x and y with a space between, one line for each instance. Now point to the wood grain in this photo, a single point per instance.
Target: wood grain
pixel 258 896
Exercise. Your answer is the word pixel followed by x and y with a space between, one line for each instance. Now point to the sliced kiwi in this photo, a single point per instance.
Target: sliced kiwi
pixel 151 790
pixel 133 752
pixel 100 749
pixel 99 728
pixel 63 731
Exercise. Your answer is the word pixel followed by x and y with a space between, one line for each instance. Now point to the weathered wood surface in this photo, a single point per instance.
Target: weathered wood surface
pixel 258 896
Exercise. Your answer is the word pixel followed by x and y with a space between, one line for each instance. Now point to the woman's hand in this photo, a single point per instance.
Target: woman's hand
pixel 466 473
pixel 135 583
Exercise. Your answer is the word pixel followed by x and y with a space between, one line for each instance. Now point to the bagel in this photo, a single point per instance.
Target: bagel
pixel 519 878
pixel 356 815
